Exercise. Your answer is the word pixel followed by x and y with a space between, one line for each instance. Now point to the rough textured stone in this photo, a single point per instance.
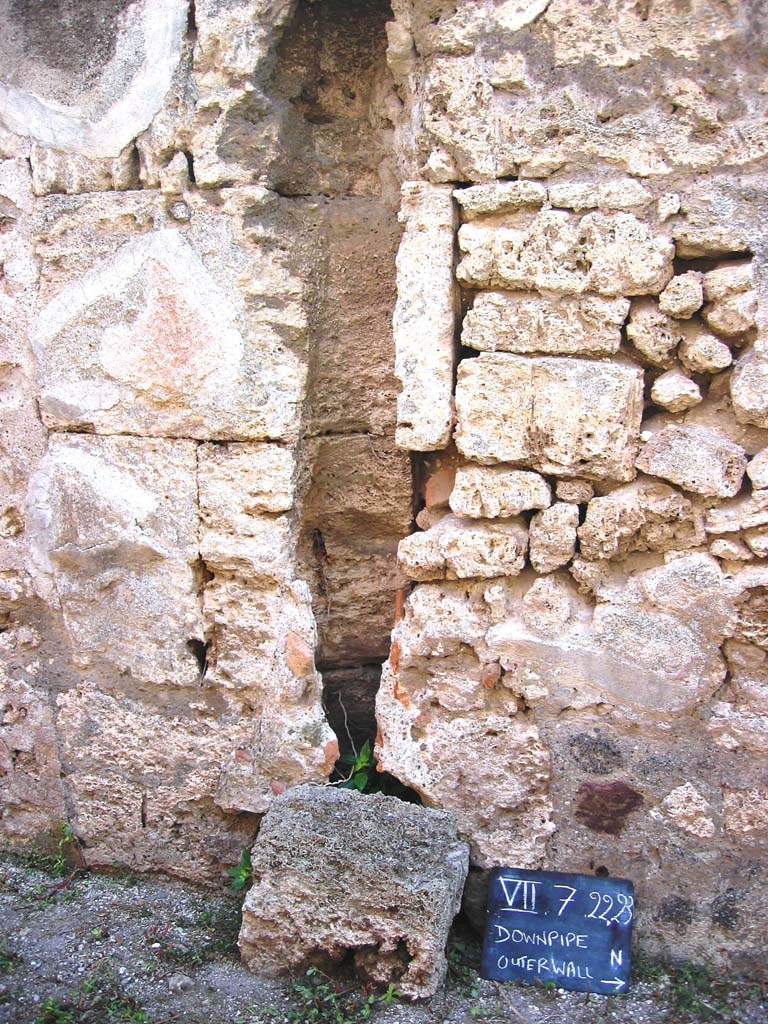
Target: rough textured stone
pixel 499 197
pixel 683 296
pixel 508 322
pixel 489 492
pixel 674 391
pixel 457 549
pixel 654 335
pixel 749 385
pixel 687 809
pixel 336 872
pixel 612 254
pixel 424 317
pixel 700 352
pixel 695 459
pixel 577 491
pixel 552 536
pixel 757 469
pixel 584 420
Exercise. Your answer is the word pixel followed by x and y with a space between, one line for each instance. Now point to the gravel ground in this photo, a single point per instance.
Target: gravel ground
pixel 90 949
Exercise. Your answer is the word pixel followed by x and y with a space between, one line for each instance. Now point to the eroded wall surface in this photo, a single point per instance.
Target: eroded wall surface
pixel 580 670
pixel 225 359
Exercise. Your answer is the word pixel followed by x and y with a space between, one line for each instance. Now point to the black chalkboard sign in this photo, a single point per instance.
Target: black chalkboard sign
pixel 549 926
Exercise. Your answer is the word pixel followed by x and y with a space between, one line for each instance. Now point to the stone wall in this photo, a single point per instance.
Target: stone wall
pixel 219 385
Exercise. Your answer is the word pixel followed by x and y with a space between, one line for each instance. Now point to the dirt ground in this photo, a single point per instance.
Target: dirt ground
pixel 92 948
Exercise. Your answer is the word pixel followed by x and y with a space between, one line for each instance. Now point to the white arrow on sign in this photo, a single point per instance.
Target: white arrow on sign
pixel 618 982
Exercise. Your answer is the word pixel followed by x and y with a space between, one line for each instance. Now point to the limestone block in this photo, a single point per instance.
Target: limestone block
pixel 654 335
pixel 732 315
pixel 487 492
pixel 552 537
pixel 457 112
pixel 457 549
pixel 112 529
pixel 757 542
pixel 509 322
pixel 683 296
pixel 739 729
pixel 336 872
pixel 31 795
pixel 629 519
pixel 757 469
pixel 561 416
pixel 694 459
pixel 730 549
pixel 577 491
pixel 739 514
pixel 91 90
pixel 621 194
pixel 240 481
pixel 142 780
pixel 499 197
pixel 424 316
pixel 612 254
pixel 701 352
pixel 674 391
pixel 153 329
pixel 732 278
pixel 749 385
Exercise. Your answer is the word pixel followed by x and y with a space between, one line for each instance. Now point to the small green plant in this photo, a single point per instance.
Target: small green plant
pixel 360 771
pixel 241 874
pixel 98 998
pixel 64 847
pixel 319 999
pixel 8 959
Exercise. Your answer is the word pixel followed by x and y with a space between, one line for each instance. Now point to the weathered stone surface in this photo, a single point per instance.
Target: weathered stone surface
pixel 31 794
pixel 142 781
pixel 620 194
pixel 730 549
pixel 237 481
pixel 509 322
pixel 749 385
pixel 424 317
pixel 654 335
pixel 577 491
pixel 746 810
pixel 757 469
pixel 489 492
pixel 336 872
pixel 160 331
pixel 739 514
pixel 687 809
pixel 112 528
pixel 612 254
pixel 700 352
pixel 584 420
pixel 552 536
pixel 453 734
pixel 457 549
pixel 642 516
pixel 695 459
pixel 732 303
pixel 499 197
pixel 683 296
pixel 674 391
pixel 87 81
pixel 357 508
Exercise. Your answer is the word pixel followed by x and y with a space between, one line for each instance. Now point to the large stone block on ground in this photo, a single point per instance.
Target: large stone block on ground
pixel 336 872
pixel 568 417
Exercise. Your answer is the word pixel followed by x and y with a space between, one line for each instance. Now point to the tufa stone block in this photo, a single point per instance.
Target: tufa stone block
pixel 336 872
pixel 568 417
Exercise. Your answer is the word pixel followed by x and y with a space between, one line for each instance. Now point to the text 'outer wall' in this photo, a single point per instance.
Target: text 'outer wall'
pixel 552 926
